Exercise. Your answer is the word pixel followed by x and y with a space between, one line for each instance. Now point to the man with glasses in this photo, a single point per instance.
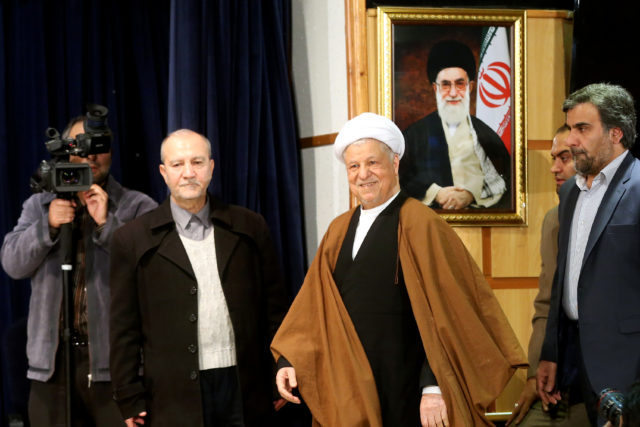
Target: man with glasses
pixel 453 160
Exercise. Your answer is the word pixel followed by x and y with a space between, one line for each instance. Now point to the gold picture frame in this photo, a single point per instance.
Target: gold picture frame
pixel 405 37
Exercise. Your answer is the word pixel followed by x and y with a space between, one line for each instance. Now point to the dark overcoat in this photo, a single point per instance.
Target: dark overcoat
pixel 154 307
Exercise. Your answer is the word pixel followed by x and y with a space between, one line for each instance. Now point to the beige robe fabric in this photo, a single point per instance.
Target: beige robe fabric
pixel 471 348
pixel 548 254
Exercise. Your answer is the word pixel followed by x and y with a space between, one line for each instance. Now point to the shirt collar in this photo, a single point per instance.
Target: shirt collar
pixel 605 174
pixel 182 216
pixel 375 211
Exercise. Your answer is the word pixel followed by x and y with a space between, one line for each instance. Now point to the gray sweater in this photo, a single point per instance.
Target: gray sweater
pixel 28 251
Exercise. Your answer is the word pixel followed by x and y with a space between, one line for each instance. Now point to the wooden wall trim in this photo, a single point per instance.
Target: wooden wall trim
pixel 549 14
pixel 318 140
pixel 513 282
pixel 539 144
pixel 486 251
pixel 356 33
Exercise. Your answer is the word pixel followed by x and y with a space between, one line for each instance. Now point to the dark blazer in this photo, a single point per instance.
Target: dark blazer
pixel 609 284
pixel 426 157
pixel 154 308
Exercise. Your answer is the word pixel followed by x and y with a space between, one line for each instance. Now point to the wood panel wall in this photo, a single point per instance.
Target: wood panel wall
pixel 508 256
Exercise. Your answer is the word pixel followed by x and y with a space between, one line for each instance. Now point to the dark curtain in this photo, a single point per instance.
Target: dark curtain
pixel 216 67
pixel 228 79
pixel 604 41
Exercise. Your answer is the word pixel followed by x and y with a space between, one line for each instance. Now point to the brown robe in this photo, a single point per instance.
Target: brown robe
pixel 468 341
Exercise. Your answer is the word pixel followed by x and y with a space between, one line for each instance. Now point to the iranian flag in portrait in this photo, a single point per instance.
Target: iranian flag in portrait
pixel 493 100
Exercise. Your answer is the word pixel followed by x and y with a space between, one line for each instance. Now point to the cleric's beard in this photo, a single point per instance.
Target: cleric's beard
pixel 453 113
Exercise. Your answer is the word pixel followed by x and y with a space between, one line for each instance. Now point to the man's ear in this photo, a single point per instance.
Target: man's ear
pixel 163 171
pixel 616 135
pixel 472 85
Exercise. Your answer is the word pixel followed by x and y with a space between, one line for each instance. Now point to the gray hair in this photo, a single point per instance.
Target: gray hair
pixel 183 132
pixel 614 104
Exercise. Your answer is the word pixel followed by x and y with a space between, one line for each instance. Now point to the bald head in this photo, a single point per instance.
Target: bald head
pixel 180 134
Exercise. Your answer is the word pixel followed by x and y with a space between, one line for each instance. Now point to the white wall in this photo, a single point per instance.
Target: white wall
pixel 320 86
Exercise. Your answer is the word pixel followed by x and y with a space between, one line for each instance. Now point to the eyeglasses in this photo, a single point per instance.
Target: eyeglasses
pixel 460 84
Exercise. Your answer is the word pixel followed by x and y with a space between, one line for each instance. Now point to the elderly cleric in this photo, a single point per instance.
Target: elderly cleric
pixel 394 324
pixel 453 160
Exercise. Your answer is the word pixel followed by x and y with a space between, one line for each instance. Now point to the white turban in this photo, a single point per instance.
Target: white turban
pixel 369 125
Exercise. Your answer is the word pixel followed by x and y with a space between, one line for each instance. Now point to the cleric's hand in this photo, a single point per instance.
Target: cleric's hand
pixel 526 399
pixel 433 411
pixel 286 382
pixel 454 198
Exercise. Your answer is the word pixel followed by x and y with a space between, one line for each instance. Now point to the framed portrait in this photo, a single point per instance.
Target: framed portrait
pixel 453 81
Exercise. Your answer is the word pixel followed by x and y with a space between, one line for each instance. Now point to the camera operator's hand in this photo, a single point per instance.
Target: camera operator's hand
pixel 61 211
pixel 96 200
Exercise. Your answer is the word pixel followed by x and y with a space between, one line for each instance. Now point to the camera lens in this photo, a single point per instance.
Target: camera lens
pixel 69 177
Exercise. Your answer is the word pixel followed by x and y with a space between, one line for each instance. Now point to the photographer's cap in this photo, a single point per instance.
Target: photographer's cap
pixel 369 125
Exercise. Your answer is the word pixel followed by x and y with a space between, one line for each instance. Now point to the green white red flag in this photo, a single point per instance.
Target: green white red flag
pixel 493 100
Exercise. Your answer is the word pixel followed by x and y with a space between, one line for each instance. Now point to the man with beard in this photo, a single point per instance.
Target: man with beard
pixel 592 339
pixel 528 410
pixel 33 249
pixel 454 160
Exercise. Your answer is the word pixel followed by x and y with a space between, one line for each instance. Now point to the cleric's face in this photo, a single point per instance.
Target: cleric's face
pixel 372 169
pixel 452 88
pixel 452 85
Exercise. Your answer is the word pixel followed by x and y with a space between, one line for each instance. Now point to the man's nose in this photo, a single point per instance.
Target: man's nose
pixel 555 166
pixel 572 140
pixel 188 169
pixel 363 172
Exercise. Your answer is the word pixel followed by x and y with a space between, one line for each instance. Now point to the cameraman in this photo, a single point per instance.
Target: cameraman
pixel 32 249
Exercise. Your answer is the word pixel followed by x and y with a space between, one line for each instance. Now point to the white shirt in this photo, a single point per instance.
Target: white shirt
pixel 583 216
pixel 367 217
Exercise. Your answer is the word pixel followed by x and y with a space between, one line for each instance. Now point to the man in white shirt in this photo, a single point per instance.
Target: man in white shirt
pixel 592 341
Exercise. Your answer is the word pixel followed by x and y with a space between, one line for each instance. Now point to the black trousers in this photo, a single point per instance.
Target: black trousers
pixel 221 397
pixel 91 405
pixel 574 373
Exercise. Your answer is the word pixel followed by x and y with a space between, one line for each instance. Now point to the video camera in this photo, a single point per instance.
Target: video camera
pixel 60 176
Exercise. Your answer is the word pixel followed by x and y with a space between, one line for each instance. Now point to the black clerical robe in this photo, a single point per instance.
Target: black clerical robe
pixel 373 291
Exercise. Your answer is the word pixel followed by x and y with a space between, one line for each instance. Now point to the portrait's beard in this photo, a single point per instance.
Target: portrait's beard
pixel 591 165
pixel 452 114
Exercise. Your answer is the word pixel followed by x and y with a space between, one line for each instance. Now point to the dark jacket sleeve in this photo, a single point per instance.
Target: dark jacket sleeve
pixel 125 327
